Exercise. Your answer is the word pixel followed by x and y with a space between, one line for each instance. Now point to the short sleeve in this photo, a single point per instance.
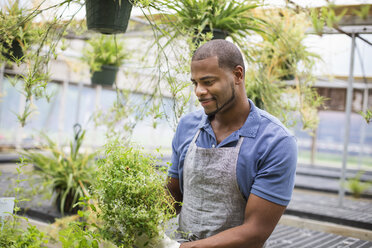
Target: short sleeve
pixel 276 176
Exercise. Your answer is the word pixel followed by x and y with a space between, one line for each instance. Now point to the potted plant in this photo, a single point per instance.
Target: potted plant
pixel 221 18
pixel 132 202
pixel 68 174
pixel 104 55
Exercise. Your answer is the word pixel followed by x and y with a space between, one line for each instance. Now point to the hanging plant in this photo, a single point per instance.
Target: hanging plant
pixel 220 18
pixel 18 33
pixel 281 55
pixel 104 55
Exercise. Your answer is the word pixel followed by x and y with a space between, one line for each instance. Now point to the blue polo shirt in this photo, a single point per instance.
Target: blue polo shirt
pixel 267 159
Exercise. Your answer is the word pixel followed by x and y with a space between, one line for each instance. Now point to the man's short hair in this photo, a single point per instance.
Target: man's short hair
pixel 228 54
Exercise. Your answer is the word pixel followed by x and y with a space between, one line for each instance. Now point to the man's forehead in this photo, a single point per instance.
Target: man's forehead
pixel 208 59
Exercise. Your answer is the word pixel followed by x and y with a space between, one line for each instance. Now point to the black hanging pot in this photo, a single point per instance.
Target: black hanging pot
pixel 216 34
pixel 108 16
pixel 13 52
pixel 106 76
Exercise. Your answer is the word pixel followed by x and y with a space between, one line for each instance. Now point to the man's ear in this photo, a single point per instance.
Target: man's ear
pixel 238 74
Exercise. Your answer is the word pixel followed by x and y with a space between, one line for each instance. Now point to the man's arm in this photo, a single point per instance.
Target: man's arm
pixel 173 186
pixel 261 217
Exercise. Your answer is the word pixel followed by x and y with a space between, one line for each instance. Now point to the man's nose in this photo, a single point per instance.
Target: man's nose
pixel 200 90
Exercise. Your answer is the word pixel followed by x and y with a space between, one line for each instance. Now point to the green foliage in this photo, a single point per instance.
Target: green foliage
pixel 356 186
pixel 367 115
pixel 38 42
pixel 363 12
pixel 193 16
pixel 17 30
pixel 13 236
pixel 78 235
pixel 279 56
pixel 326 15
pixel 104 50
pixel 131 196
pixel 68 174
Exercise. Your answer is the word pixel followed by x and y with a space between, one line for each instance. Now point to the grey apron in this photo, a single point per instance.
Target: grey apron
pixel 212 201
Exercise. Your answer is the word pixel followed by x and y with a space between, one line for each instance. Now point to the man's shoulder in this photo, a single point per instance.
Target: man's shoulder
pixel 272 123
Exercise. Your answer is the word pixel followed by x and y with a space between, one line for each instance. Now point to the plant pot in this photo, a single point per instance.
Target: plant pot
pixel 287 77
pixel 67 208
pixel 13 53
pixel 108 16
pixel 106 76
pixel 216 34
pixel 6 206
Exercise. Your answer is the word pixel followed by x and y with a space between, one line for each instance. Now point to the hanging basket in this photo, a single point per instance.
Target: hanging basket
pixel 108 16
pixel 106 76
pixel 216 34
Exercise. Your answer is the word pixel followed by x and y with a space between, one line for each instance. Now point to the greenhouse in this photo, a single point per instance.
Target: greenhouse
pixel 190 123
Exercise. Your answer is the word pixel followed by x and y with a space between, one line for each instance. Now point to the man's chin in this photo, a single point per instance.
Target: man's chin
pixel 210 113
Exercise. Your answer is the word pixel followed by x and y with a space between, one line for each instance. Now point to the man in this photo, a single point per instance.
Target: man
pixel 233 164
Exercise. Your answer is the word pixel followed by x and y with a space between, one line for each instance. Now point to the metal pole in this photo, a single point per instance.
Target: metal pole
pixel 349 98
pixel 363 128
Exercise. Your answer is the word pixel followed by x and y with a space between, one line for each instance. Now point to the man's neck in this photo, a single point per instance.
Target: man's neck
pixel 226 122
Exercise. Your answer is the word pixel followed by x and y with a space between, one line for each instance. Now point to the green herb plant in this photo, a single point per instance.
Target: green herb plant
pixel 78 235
pixel 131 198
pixel 12 234
pixel 67 174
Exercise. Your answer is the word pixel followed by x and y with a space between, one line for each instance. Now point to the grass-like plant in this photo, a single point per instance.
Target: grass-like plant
pixel 131 196
pixel 68 174
pixel 280 55
pixel 356 186
pixel 367 115
pixel 232 17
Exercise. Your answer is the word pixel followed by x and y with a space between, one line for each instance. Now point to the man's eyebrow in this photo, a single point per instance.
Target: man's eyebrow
pixel 203 78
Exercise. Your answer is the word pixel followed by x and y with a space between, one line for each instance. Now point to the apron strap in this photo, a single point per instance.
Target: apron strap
pixel 195 137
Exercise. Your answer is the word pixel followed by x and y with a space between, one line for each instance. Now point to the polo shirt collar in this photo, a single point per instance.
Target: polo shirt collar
pixel 250 127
